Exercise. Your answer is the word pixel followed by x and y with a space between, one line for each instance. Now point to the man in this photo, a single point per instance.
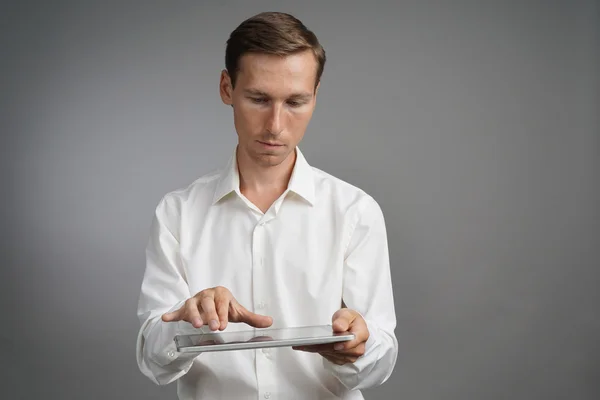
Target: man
pixel 269 241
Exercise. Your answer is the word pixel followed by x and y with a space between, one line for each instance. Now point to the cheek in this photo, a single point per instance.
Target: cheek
pixel 246 121
pixel 299 120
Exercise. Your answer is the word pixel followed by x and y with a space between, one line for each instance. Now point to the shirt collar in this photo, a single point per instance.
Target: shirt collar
pixel 301 181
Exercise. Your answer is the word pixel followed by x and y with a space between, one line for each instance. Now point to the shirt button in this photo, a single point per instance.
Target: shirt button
pixel 267 395
pixel 261 305
pixel 171 353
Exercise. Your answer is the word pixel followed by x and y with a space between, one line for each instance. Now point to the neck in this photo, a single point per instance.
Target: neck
pixel 258 178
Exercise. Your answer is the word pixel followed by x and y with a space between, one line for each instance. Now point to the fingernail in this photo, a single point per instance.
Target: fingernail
pixel 338 346
pixel 214 325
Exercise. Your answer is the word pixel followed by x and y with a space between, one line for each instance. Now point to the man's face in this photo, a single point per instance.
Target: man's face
pixel 273 102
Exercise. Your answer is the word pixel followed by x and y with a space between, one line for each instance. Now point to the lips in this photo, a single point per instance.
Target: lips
pixel 271 144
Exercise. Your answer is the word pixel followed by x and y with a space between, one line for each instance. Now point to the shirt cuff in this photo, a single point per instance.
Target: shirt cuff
pixel 349 374
pixel 167 352
pixel 373 334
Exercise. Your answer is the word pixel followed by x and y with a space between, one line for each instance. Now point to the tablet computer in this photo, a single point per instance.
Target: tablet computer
pixel 259 338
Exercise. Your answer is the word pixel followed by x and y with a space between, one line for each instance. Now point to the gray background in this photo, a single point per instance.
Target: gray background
pixel 474 124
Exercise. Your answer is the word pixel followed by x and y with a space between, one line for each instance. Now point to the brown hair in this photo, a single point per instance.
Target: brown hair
pixel 271 33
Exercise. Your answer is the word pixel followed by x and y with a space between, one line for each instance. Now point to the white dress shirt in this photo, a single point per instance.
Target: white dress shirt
pixel 321 242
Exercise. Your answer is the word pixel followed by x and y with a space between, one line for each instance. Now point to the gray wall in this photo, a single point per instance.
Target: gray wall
pixel 474 124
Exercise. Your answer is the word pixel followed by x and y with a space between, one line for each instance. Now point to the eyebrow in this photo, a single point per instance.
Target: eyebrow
pixel 295 96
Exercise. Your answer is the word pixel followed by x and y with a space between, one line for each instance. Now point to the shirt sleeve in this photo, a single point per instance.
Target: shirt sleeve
pixel 163 289
pixel 368 290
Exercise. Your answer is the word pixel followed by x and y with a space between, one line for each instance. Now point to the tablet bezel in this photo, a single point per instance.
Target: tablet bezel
pixel 185 342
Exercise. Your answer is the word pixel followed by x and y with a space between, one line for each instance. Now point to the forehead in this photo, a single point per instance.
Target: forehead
pixel 278 75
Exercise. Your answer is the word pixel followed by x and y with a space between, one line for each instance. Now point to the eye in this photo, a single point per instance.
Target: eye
pixel 294 103
pixel 258 100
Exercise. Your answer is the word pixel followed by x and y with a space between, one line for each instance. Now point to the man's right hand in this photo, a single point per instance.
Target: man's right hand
pixel 216 307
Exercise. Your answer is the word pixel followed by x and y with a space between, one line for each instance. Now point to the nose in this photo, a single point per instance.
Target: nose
pixel 275 121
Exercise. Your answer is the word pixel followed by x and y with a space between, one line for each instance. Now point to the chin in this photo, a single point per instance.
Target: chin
pixel 270 160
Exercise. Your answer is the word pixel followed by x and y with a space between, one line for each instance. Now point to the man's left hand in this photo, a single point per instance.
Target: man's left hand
pixel 344 320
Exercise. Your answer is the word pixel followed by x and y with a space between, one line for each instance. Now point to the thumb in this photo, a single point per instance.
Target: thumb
pixel 252 319
pixel 341 320
pixel 257 320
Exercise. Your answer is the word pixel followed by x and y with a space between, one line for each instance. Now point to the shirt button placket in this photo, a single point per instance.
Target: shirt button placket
pixel 258 263
pixel 260 304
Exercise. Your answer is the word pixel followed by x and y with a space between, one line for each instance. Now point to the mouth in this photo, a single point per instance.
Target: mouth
pixel 270 145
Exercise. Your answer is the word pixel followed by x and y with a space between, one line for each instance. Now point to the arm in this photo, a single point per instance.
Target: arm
pixel 167 308
pixel 368 291
pixel 163 289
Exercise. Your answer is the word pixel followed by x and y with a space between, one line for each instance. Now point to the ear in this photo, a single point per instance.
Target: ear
pixel 225 88
pixel 317 90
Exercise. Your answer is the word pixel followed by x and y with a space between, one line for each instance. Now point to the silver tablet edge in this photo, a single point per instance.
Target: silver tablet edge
pixel 258 345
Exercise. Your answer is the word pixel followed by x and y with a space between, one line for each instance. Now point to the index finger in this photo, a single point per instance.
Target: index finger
pixel 222 305
pixel 210 312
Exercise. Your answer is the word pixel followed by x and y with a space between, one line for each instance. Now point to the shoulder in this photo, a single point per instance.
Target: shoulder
pixel 202 189
pixel 344 195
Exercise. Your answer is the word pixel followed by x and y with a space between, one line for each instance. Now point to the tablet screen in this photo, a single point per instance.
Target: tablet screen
pixel 257 338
